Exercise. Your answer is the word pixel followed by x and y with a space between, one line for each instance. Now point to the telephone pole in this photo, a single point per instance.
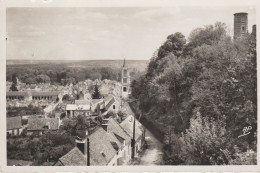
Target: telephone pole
pixel 133 141
pixel 88 153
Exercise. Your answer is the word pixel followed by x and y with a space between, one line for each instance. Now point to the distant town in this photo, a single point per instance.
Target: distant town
pixel 95 108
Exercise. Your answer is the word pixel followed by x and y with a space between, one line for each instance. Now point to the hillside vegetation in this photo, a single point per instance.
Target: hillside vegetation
pixel 200 93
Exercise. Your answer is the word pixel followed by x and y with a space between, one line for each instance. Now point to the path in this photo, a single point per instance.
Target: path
pixel 153 155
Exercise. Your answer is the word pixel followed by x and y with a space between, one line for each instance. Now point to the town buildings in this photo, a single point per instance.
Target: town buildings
pixel 14 126
pixel 38 126
pixel 32 95
pixel 110 144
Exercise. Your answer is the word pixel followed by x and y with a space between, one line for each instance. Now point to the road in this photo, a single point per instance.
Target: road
pixel 153 155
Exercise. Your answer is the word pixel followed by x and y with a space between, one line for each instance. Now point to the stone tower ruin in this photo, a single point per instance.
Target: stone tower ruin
pixel 240 25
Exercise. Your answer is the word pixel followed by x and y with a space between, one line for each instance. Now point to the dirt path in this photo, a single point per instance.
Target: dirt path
pixel 153 155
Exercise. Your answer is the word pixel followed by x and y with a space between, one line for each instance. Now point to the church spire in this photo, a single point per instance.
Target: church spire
pixel 124 63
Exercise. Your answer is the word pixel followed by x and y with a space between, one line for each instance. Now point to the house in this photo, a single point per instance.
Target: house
pixel 32 95
pixel 108 145
pixel 102 147
pixel 45 95
pixel 14 126
pixel 40 125
pixel 20 95
pixel 139 136
pixel 124 152
pixel 73 110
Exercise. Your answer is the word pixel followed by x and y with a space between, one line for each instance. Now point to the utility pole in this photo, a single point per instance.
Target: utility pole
pixel 133 141
pixel 88 153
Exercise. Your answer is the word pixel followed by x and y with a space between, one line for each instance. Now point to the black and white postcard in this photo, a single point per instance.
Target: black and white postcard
pixel 129 85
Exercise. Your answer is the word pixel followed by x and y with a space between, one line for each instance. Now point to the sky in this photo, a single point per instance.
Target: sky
pixel 90 33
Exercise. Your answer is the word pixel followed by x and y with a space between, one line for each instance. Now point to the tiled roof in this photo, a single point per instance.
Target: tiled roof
pixel 14 123
pixel 109 101
pixel 101 149
pixel 127 125
pixel 44 93
pixel 74 158
pixel 39 123
pixel 95 101
pixel 16 93
pixel 115 128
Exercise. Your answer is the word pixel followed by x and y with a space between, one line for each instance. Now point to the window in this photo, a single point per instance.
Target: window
pixel 124 80
pixel 124 89
pixel 125 72
pixel 243 28
pixel 114 106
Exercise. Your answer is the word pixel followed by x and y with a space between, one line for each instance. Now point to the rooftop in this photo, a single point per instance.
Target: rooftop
pixel 39 123
pixel 127 125
pixel 14 123
pixel 115 128
pixel 240 13
pixel 77 107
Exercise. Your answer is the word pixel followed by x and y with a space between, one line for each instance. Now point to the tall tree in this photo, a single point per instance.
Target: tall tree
pixel 96 94
pixel 14 84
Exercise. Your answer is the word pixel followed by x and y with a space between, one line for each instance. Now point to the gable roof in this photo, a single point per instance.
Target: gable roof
pixel 101 149
pixel 39 123
pixel 128 124
pixel 115 128
pixel 109 101
pixel 14 123
pixel 74 158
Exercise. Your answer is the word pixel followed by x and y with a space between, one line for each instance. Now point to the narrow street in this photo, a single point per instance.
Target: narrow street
pixel 153 154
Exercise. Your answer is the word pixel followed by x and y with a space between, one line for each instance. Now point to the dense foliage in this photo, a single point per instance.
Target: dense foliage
pixel 201 94
pixel 20 111
pixel 44 150
pixel 57 73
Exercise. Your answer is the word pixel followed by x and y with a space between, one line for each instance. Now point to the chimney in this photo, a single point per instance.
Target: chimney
pixel 83 146
pixel 105 123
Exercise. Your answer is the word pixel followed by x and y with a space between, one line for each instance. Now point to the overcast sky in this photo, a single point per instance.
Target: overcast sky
pixel 105 33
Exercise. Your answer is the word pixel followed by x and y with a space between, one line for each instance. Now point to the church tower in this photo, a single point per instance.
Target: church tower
pixel 125 81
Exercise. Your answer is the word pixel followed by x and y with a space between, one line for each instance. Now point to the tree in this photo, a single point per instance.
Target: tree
pixel 42 78
pixel 96 94
pixel 204 142
pixel 14 84
pixel 213 75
